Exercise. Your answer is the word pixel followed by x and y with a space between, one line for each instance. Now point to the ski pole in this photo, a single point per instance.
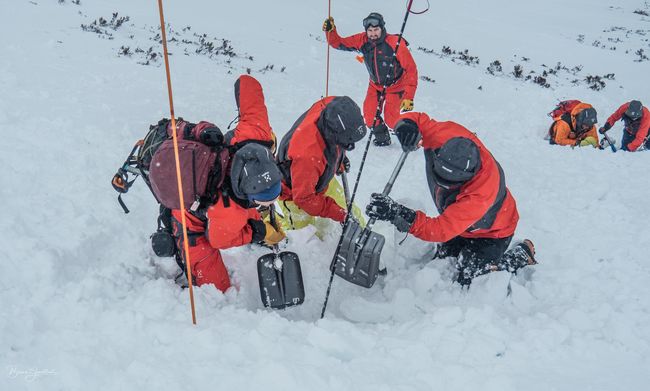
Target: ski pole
pixel 334 262
pixel 188 267
pixel 366 231
pixel 381 98
pixel 327 72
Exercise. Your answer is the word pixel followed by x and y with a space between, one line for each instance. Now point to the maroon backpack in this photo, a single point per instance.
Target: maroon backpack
pixel 203 168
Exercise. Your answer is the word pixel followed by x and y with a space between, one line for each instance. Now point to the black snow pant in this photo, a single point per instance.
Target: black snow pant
pixel 476 257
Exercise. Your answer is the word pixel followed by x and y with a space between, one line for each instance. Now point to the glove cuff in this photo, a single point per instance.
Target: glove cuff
pixel 607 126
pixel 404 219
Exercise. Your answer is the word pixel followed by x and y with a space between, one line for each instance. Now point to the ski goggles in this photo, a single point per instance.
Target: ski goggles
pixel 371 22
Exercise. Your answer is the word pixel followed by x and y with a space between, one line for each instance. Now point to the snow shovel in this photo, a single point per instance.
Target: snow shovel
pixel 280 276
pixel 358 257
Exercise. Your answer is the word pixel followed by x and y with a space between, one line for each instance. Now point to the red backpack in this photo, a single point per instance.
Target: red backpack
pixel 563 107
pixel 203 168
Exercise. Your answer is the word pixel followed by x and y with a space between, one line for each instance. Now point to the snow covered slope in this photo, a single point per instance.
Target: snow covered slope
pixel 87 306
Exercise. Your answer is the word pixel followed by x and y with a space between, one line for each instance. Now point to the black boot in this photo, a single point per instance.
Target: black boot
pixel 382 135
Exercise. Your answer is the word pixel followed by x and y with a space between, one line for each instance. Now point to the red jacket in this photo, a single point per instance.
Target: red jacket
pixel 639 129
pixel 253 116
pixel 378 57
pixel 311 164
pixel 228 225
pixel 475 197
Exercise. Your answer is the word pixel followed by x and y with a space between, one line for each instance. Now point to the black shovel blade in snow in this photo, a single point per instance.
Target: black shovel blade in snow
pixel 280 280
pixel 358 258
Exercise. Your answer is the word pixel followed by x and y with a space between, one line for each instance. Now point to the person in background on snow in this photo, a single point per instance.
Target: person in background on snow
pixel 399 75
pixel 636 119
pixel 254 180
pixel 478 214
pixel 253 116
pixel 309 156
pixel 576 127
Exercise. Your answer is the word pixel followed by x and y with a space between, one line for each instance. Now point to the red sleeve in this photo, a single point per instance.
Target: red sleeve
pixel 617 115
pixel 351 43
pixel 421 119
pixel 410 76
pixel 642 133
pixel 304 175
pixel 228 226
pixel 428 129
pixel 472 203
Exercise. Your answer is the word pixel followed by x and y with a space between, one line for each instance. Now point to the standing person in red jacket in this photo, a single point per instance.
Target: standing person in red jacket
pixel 399 75
pixel 636 118
pixel 478 215
pixel 253 116
pixel 313 151
pixel 233 220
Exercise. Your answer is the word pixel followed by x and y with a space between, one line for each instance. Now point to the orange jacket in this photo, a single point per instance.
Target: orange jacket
pixel 476 196
pixel 378 57
pixel 561 131
pixel 641 130
pixel 253 116
pixel 309 162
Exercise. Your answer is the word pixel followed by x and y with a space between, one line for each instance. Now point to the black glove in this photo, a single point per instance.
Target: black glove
pixel 345 166
pixel 408 134
pixel 605 128
pixel 383 207
pixel 328 24
pixel 259 230
pixel 211 136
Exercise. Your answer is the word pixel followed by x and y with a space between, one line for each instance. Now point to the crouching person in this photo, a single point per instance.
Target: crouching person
pixel 232 220
pixel 576 127
pixel 478 214
pixel 311 154
pixel 636 131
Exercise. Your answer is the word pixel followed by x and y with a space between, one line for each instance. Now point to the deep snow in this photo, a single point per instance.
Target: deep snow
pixel 86 305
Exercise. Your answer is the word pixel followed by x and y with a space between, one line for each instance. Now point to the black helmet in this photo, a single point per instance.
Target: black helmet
pixel 254 171
pixel 341 122
pixel 373 20
pixel 634 110
pixel 457 161
pixel 586 118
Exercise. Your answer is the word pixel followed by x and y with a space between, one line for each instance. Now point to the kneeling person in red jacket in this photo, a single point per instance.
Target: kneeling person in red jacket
pixel 478 215
pixel 233 220
pixel 313 151
pixel 636 119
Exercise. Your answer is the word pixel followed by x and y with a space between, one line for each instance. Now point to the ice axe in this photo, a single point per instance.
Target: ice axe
pixel 609 141
pixel 280 276
pixel 358 257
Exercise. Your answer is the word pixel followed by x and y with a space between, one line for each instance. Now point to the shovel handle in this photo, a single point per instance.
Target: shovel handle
pixel 274 223
pixel 389 186
pixel 346 190
pixel 393 177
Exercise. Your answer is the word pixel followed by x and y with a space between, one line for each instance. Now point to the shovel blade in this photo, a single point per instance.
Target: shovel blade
pixel 280 279
pixel 358 263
